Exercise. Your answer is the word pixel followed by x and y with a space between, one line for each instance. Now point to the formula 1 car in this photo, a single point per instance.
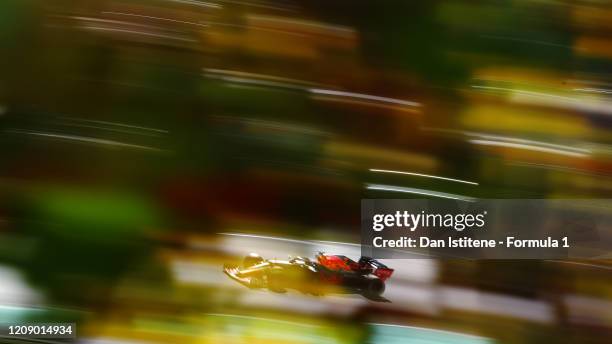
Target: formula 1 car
pixel 328 274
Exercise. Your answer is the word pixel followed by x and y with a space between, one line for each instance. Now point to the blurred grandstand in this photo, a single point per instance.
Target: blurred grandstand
pixel 145 143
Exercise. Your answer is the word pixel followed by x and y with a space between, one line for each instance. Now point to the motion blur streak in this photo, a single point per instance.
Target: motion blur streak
pixel 418 192
pixel 156 18
pixel 146 143
pixel 528 147
pixel 118 125
pixel 425 175
pixel 83 139
pixel 364 96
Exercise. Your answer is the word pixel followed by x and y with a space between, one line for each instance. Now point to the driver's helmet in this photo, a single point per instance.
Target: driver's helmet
pixel 251 259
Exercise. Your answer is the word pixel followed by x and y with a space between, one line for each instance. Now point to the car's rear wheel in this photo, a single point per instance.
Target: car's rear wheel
pixel 375 287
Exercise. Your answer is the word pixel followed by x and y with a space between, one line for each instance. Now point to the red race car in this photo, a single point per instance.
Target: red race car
pixel 329 272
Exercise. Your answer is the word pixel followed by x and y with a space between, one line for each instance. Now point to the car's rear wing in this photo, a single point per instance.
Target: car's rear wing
pixel 379 269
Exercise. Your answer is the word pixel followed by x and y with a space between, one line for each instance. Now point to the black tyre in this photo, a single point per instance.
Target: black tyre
pixel 375 287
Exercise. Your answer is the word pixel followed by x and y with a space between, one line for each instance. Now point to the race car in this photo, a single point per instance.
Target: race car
pixel 327 274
